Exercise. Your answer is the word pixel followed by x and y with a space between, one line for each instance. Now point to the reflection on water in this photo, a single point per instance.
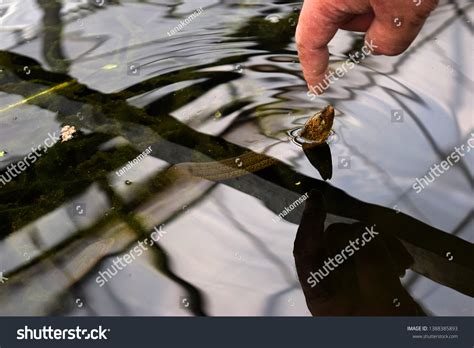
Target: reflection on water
pixel 215 103
pixel 320 157
pixel 350 269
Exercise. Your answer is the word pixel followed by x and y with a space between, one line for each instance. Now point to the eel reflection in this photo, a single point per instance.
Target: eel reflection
pixel 320 158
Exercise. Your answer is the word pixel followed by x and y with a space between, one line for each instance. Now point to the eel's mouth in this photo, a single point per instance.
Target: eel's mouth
pixel 328 110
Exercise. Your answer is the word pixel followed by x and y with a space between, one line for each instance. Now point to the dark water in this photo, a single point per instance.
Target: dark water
pixel 227 83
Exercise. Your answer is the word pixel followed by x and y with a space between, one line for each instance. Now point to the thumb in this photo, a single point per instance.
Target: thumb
pixel 390 33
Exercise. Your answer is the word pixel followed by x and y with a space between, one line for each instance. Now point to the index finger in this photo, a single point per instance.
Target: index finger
pixel 318 23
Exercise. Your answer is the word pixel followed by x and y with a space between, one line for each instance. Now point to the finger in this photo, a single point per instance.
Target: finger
pixel 359 22
pixel 311 43
pixel 318 23
pixel 391 33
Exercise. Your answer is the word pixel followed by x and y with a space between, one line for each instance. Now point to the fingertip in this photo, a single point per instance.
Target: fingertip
pixel 312 89
pixel 316 83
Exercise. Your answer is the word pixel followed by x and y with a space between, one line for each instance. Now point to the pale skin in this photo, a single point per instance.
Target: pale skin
pixel 391 25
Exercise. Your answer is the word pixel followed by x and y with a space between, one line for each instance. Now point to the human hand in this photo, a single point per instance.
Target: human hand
pixel 391 26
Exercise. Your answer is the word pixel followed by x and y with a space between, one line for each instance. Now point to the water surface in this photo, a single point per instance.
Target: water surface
pixel 226 83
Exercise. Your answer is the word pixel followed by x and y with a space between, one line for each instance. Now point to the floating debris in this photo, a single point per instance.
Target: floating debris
pixel 3 153
pixel 218 114
pixel 109 66
pixel 67 133
pixel 273 18
pixel 47 91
